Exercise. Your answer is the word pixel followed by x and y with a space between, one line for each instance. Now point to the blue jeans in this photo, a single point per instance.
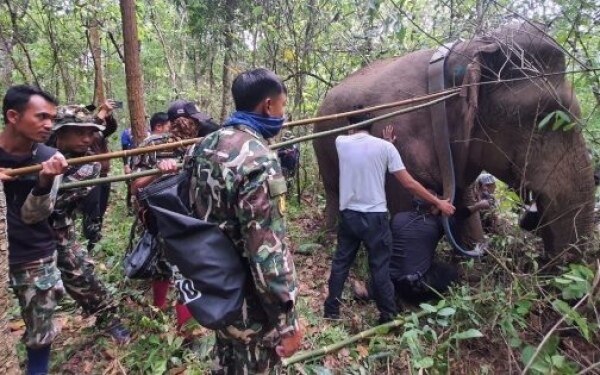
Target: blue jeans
pixel 372 229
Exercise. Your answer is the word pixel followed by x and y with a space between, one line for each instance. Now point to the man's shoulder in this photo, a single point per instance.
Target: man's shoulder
pixel 231 142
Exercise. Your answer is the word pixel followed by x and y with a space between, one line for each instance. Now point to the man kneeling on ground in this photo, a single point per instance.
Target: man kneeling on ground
pixel 414 273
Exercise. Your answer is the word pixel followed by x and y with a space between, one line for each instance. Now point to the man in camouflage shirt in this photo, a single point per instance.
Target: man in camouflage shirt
pixel 237 182
pixel 185 121
pixel 73 134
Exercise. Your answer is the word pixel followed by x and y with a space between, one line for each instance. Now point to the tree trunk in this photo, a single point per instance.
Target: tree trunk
pixel 96 49
pixel 9 362
pixel 133 71
pixel 228 46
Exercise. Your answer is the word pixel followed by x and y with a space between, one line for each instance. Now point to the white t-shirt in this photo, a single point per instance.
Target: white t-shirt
pixel 364 161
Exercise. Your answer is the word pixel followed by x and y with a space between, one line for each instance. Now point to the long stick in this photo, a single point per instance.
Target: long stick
pixel 109 179
pixel 399 103
pixel 350 340
pixel 362 123
pixel 152 172
pixel 186 142
pixel 110 155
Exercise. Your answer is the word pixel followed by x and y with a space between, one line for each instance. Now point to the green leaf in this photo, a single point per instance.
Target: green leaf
pixel 540 363
pixel 447 311
pixel 468 334
pixel 425 362
pixel 545 120
pixel 427 307
pixel 573 316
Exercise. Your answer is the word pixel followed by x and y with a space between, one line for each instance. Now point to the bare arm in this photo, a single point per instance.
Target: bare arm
pixel 165 166
pixel 417 189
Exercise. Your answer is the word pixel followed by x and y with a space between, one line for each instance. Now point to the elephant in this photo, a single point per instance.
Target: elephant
pixel 509 79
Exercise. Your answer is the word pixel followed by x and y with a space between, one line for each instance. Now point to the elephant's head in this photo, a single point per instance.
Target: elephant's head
pixel 516 77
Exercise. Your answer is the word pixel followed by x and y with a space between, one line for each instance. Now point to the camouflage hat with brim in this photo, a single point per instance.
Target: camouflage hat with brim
pixel 75 115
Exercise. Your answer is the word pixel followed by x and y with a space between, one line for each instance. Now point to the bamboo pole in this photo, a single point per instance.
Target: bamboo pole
pixel 186 142
pixel 152 172
pixel 109 155
pixel 109 179
pixel 362 123
pixel 383 328
pixel 379 107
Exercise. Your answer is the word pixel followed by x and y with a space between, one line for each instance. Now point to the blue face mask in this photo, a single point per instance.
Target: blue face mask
pixel 268 127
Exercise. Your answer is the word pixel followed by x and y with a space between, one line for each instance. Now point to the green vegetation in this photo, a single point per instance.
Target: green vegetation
pixel 507 315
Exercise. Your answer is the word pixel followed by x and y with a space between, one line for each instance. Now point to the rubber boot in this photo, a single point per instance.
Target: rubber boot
pixel 160 289
pixel 183 314
pixel 38 360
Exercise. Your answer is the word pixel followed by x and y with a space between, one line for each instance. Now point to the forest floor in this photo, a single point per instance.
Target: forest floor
pixel 491 323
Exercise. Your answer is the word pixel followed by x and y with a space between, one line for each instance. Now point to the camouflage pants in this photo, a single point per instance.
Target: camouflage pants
pixel 38 288
pixel 247 346
pixel 79 279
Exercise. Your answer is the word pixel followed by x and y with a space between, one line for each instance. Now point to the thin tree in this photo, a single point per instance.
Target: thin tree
pixel 95 42
pixel 230 6
pixel 133 70
pixel 9 362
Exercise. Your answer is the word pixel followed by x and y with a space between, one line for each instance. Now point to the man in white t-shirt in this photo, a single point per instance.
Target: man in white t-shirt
pixel 364 161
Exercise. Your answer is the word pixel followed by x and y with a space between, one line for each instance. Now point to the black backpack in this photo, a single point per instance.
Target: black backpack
pixel 214 272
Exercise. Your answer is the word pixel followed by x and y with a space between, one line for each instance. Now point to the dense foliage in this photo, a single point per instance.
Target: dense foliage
pixel 498 321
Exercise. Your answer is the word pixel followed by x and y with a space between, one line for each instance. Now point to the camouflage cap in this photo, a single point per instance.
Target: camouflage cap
pixel 75 115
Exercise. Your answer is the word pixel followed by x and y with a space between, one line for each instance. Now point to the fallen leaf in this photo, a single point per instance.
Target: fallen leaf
pixel 344 352
pixel 363 351
pixel 331 362
pixel 16 325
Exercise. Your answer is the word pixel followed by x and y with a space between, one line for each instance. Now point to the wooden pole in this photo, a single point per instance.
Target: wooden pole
pixel 110 155
pixel 381 329
pixel 399 103
pixel 152 172
pixel 186 142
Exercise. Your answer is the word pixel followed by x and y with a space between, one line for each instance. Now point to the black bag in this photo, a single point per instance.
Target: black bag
pixel 214 273
pixel 140 260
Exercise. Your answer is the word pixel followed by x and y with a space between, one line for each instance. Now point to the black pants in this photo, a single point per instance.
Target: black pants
pixel 373 230
pixel 93 208
pixel 439 277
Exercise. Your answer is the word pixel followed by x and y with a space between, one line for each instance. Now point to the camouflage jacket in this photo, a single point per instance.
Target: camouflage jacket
pixel 237 182
pixel 67 201
pixel 150 160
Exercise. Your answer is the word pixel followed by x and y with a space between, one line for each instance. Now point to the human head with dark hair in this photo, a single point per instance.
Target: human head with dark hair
pixel 199 124
pixel 360 117
pixel 159 123
pixel 253 88
pixel 260 99
pixel 29 112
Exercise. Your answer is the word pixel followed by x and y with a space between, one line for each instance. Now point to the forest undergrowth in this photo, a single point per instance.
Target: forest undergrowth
pixel 506 314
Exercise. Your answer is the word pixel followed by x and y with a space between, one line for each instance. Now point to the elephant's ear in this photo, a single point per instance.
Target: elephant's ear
pixel 470 94
pixel 470 86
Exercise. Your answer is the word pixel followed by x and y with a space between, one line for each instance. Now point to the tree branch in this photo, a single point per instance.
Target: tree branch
pixel 300 73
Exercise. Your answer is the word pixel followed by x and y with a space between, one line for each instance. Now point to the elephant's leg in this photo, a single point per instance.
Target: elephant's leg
pixel 331 209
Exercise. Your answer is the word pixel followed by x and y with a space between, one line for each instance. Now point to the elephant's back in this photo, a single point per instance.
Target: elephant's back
pixel 382 81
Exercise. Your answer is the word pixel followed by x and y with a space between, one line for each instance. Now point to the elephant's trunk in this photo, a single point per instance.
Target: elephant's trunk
pixel 565 194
